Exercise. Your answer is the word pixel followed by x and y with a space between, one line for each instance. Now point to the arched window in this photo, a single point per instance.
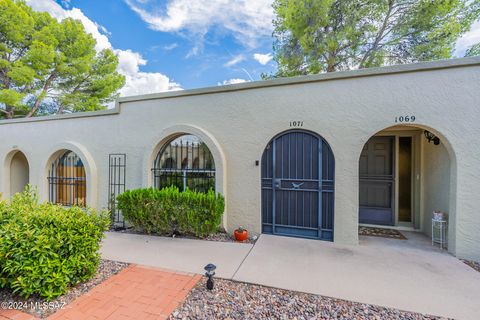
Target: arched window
pixel 67 180
pixel 184 162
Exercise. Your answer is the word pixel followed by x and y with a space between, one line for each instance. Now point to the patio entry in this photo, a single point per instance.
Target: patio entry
pixel 297 186
pixel 404 175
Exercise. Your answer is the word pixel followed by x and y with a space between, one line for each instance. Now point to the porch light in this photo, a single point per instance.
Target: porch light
pixel 210 268
pixel 431 137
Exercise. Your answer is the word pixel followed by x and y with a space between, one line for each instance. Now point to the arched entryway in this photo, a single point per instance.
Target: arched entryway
pixel 298 186
pixel 405 175
pixel 19 173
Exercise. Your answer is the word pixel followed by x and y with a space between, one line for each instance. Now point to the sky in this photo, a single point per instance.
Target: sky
pixel 165 45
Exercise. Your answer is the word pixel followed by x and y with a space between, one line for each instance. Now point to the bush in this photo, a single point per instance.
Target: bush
pixel 167 210
pixel 46 248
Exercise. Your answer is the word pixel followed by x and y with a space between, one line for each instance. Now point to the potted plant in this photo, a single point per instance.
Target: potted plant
pixel 240 234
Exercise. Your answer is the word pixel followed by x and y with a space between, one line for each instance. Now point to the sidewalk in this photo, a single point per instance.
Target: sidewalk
pixel 185 255
pixel 408 275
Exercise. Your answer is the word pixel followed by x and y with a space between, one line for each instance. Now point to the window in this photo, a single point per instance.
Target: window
pixel 184 162
pixel 67 180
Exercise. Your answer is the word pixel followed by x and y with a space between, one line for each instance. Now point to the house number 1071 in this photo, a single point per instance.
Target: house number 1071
pixel 296 123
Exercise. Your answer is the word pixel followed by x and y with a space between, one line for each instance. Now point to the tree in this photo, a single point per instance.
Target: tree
pixel 48 66
pixel 313 36
pixel 473 51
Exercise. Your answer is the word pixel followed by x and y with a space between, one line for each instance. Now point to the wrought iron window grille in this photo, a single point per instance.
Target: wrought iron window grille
pixel 185 162
pixel 67 181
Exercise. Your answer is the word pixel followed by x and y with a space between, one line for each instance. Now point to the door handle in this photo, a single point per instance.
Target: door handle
pixel 277 183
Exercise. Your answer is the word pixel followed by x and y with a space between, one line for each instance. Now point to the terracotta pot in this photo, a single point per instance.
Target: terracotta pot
pixel 241 236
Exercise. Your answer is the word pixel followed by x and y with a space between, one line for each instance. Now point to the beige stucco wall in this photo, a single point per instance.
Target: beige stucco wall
pixel 435 185
pixel 237 122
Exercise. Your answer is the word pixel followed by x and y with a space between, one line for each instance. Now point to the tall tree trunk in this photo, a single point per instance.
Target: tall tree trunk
pixel 9 112
pixel 40 97
pixel 379 36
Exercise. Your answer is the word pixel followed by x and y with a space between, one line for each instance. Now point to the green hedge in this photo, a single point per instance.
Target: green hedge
pixel 167 210
pixel 45 248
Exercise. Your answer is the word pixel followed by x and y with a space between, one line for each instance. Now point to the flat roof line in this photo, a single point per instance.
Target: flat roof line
pixel 369 72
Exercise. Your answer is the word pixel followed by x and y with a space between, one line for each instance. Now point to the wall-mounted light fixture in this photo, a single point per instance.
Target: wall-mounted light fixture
pixel 431 137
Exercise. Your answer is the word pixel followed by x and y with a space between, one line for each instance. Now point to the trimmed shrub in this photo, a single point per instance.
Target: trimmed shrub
pixel 46 248
pixel 168 211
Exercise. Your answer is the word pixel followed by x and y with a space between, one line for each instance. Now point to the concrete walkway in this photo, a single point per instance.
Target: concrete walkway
pixel 409 274
pixel 185 255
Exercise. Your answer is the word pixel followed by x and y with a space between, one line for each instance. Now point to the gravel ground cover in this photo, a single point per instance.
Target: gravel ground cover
pixel 473 264
pixel 237 300
pixel 35 305
pixel 219 236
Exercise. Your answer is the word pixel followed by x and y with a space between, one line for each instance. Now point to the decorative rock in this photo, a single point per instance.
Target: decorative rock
pixel 237 300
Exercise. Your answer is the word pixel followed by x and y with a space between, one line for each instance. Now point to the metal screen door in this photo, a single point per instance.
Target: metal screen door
pixel 377 181
pixel 297 186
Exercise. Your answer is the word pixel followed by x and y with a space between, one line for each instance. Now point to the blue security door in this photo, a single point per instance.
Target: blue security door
pixel 297 186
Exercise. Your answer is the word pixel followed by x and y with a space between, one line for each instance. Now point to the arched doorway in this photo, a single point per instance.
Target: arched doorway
pixel 404 175
pixel 19 173
pixel 298 186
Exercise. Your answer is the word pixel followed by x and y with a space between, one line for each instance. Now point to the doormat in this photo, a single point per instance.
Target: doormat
pixel 381 232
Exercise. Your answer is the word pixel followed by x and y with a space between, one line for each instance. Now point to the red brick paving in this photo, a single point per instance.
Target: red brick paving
pixel 137 292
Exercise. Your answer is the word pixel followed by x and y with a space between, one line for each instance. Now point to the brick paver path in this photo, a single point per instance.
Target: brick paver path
pixel 137 292
pixel 15 315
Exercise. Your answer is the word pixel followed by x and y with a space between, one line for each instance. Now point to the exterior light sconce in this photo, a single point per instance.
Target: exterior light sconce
pixel 431 137
pixel 210 272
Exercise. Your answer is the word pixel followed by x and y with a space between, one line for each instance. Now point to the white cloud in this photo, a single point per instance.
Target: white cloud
pixel 469 39
pixel 235 60
pixel 231 81
pixel 137 82
pixel 263 58
pixel 246 20
pixel 171 46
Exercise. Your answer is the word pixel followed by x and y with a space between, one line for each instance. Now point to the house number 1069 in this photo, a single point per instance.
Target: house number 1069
pixel 405 119
pixel 296 123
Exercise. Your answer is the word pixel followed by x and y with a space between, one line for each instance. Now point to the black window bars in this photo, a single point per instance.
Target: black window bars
pixel 67 181
pixel 184 162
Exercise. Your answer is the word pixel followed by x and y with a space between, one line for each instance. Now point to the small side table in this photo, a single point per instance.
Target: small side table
pixel 439 233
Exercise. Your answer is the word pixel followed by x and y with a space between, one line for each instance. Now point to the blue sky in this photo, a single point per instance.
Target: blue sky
pixel 171 52
pixel 167 45
pixel 183 44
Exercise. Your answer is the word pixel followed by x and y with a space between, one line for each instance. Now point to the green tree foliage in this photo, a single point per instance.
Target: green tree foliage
pixel 473 51
pixel 48 66
pixel 314 36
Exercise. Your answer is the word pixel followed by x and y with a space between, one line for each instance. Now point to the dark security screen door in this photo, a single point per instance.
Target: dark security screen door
pixel 377 181
pixel 297 186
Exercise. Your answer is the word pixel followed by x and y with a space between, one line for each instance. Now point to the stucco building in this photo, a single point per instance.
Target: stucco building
pixel 309 156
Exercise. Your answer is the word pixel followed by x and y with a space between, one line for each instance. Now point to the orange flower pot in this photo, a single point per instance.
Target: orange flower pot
pixel 240 235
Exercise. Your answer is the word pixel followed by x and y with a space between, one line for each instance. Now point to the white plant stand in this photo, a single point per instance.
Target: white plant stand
pixel 439 233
